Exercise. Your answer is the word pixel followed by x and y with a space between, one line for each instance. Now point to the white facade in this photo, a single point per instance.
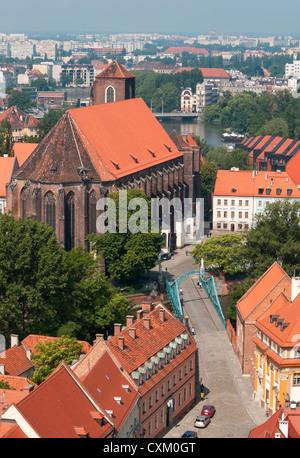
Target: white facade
pixel 292 69
pixel 233 213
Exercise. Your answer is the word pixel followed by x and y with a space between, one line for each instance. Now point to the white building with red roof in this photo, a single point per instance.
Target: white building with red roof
pixel 240 195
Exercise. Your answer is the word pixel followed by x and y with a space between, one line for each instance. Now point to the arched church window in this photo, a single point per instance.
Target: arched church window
pixel 93 202
pixel 50 210
pixel 70 222
pixel 23 203
pixel 110 94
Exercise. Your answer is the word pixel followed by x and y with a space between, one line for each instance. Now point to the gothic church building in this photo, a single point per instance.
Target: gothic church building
pixel 115 143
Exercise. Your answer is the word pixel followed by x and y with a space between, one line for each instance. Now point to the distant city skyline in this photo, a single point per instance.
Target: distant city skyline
pixel 191 17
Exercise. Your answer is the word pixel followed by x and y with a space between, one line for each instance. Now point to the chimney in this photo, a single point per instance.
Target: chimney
pixel 117 328
pixel 147 307
pixel 98 337
pixel 147 323
pixel 186 321
pixel 28 354
pixel 284 427
pixel 121 342
pixel 139 314
pixel 132 332
pixel 161 314
pixel 14 340
pixel 295 287
pixel 129 320
pixel 2 369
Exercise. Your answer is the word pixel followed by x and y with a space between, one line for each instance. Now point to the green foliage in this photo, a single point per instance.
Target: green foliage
pixel 32 277
pixel 225 252
pixel 49 354
pixel 277 127
pixel 163 90
pixel 248 114
pixel 208 178
pixel 6 139
pixel 48 121
pixel 128 255
pixel 237 292
pixel 21 100
pixel 40 83
pixel 46 290
pixel 225 159
pixel 275 237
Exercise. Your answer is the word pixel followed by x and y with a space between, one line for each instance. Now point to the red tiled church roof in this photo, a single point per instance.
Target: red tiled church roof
pixel 115 70
pixel 110 140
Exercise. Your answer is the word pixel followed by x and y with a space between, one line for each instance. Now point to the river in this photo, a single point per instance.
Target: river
pixel 211 133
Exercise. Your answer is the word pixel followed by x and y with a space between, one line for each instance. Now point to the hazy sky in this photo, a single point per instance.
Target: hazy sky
pixel 274 17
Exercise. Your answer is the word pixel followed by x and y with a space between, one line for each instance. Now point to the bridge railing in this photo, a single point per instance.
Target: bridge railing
pixel 209 286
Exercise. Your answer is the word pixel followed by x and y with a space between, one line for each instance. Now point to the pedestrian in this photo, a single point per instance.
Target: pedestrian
pixel 180 291
pixel 186 252
pixel 200 285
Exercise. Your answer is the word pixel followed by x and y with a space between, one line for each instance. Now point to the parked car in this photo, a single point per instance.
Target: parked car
pixel 189 434
pixel 208 411
pixel 165 256
pixel 202 421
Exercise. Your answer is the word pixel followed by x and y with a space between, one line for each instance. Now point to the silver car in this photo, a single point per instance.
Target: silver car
pixel 202 421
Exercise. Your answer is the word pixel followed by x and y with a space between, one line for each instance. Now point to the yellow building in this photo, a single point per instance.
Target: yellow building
pixel 277 353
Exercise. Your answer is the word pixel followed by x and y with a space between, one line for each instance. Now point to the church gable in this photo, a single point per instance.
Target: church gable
pixel 60 157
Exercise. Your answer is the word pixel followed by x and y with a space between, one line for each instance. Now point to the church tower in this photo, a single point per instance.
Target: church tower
pixel 113 84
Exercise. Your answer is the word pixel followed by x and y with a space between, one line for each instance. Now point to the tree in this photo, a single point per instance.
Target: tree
pixel 127 254
pixel 48 121
pixel 91 304
pixel 225 252
pixel 40 83
pixel 275 236
pixel 32 277
pixel 49 354
pixel 21 100
pixel 208 178
pixel 277 127
pixel 6 139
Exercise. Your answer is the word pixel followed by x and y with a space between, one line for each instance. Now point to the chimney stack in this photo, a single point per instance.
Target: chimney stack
pixel 147 307
pixel 139 314
pixel 129 320
pixel 121 342
pixel 14 340
pixel 117 328
pixel 161 314
pixel 147 323
pixel 132 332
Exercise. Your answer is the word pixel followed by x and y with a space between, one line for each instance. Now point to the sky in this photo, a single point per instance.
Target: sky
pixel 190 17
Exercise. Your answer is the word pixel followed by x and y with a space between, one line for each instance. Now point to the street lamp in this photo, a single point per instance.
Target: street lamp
pixel 162 106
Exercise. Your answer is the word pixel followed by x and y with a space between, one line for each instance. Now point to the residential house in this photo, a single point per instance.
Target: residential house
pixel 277 352
pixel 16 360
pixel 61 407
pixel 111 386
pixel 240 195
pixel 273 153
pixel 159 353
pixel 251 306
pixel 22 124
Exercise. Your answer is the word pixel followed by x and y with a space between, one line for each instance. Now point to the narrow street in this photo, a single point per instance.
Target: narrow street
pixel 224 385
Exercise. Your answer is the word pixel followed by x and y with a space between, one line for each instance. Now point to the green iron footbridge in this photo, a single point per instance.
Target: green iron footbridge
pixel 208 283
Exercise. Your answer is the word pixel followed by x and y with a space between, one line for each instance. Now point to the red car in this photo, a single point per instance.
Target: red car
pixel 208 411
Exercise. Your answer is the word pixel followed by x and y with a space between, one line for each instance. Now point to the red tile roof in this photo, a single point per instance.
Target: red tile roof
pixel 7 167
pixel 18 118
pixel 115 70
pixel 247 183
pixel 207 72
pixel 112 140
pixel 271 427
pixel 15 382
pixel 265 285
pixel 288 334
pixel 106 382
pixel 23 150
pixel 60 406
pixel 15 361
pixel 33 339
pixel 148 342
